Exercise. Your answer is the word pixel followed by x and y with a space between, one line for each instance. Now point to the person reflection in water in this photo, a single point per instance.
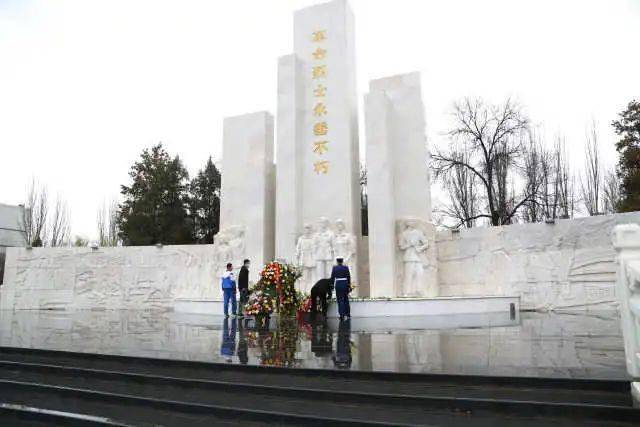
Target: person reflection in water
pixel 243 346
pixel 342 357
pixel 321 339
pixel 228 346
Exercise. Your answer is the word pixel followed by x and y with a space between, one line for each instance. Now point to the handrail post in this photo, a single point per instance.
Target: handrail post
pixel 626 241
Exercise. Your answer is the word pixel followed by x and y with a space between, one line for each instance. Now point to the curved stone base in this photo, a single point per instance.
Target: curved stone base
pixel 395 307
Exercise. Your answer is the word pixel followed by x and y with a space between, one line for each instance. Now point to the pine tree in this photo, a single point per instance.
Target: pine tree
pixel 628 128
pixel 204 203
pixel 154 206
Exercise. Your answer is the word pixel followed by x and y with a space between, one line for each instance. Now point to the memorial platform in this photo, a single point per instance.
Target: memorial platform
pixel 391 307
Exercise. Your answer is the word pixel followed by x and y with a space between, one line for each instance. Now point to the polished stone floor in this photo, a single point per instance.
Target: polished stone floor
pixel 585 345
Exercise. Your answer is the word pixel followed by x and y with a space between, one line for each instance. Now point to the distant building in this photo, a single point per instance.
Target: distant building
pixel 12 231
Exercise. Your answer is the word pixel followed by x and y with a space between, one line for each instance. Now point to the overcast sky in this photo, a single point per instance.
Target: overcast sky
pixel 85 85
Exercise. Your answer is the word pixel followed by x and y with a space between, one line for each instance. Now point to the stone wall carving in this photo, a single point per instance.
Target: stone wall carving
pixel 568 265
pixel 416 263
pixel 146 277
pixel 317 250
pixel 305 258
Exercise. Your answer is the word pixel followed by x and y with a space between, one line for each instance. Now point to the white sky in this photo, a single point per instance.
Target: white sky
pixel 85 85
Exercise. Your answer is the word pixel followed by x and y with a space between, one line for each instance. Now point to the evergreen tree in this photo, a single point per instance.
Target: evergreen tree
pixel 204 203
pixel 628 128
pixel 154 206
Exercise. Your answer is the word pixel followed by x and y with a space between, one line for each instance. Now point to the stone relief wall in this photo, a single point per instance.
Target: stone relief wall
pixel 145 277
pixel 318 247
pixel 566 265
pixel 416 258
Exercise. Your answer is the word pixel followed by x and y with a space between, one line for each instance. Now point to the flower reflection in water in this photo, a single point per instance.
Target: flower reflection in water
pixel 280 343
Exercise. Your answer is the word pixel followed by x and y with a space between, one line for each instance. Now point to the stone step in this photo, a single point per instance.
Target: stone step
pixel 298 396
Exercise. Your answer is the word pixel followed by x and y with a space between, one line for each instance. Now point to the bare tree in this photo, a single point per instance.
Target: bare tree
pixel 611 192
pixel 535 168
pixel 108 224
pixel 59 224
pixel 364 201
pixel 565 181
pixel 35 214
pixel 488 143
pixel 591 182
pixel 461 184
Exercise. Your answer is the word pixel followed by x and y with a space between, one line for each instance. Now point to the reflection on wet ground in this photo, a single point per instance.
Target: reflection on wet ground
pixel 532 344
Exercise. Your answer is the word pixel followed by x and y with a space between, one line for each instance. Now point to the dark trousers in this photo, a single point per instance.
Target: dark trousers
pixel 230 295
pixel 244 299
pixel 315 294
pixel 342 295
pixel 244 296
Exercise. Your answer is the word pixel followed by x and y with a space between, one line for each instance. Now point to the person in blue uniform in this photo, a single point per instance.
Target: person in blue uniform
pixel 229 290
pixel 228 346
pixel 341 278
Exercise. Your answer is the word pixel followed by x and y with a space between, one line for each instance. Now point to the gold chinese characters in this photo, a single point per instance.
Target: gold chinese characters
pixel 321 128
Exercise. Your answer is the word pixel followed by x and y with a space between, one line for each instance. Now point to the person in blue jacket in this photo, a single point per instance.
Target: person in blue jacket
pixel 229 291
pixel 341 279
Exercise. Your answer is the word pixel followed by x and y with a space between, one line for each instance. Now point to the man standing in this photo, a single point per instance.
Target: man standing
pixel 229 290
pixel 341 279
pixel 243 285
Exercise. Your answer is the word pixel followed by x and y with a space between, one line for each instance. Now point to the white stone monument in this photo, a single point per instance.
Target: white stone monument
pixel 248 193
pixel 626 240
pixel 402 256
pixel 318 160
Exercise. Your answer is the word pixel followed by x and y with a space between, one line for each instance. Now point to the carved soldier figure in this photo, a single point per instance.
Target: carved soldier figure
pixel 323 242
pixel 413 242
pixel 305 258
pixel 343 243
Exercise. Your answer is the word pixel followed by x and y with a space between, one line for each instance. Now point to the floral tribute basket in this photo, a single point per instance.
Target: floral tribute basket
pixel 274 292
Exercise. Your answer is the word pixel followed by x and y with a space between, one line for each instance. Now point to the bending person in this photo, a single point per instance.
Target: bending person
pixel 322 289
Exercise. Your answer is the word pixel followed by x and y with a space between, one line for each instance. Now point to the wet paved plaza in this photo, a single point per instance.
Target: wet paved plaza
pixel 531 344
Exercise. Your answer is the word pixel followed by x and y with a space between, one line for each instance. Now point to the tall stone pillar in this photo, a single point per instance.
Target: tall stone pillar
pixel 248 190
pixel 290 150
pixel 318 172
pixel 402 256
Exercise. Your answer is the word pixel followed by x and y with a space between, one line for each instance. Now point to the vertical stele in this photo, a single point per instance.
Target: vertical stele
pixel 248 185
pixel 399 190
pixel 317 140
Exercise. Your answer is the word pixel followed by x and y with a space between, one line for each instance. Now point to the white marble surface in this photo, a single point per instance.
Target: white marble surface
pixel 569 264
pixel 543 345
pixel 141 277
pixel 398 187
pixel 318 138
pixel 290 130
pixel 248 184
pixel 382 308
pixel 626 240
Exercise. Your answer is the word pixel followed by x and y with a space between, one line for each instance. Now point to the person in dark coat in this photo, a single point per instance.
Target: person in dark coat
pixel 341 278
pixel 322 290
pixel 243 345
pixel 243 285
pixel 321 339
